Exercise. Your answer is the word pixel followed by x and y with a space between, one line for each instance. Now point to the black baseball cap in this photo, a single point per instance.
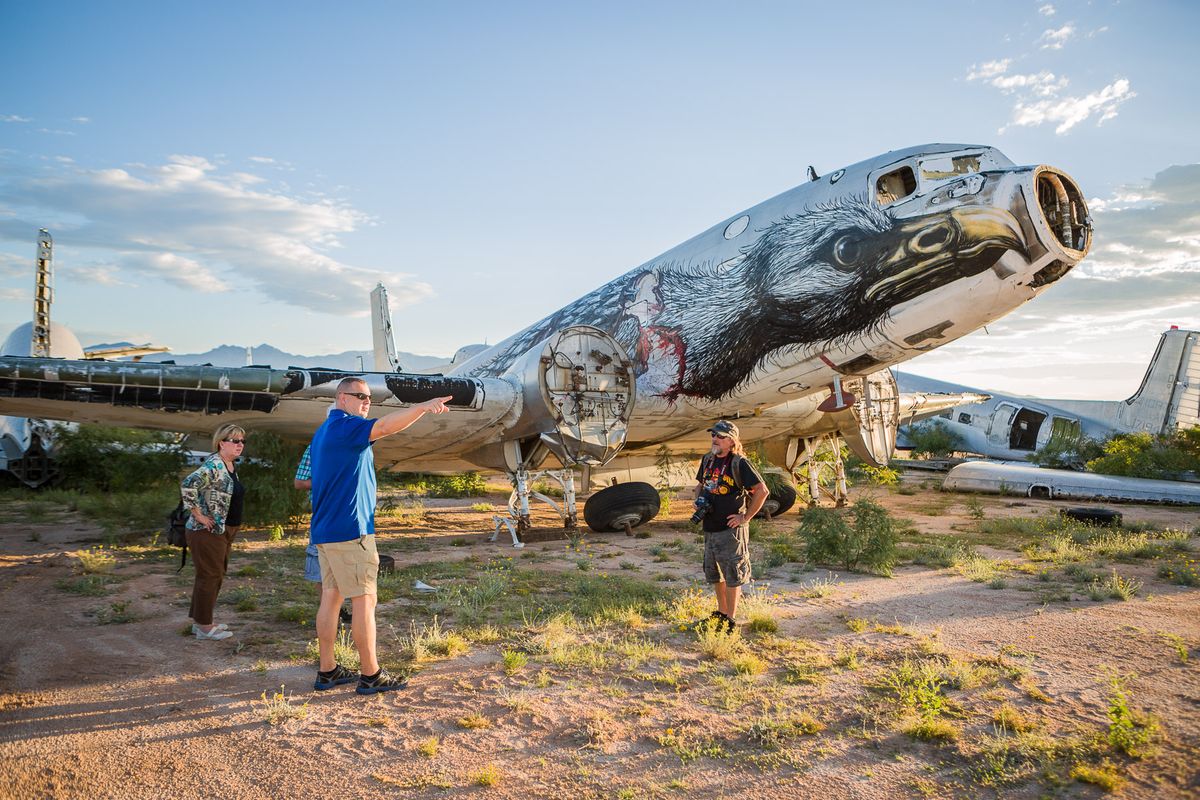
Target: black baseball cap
pixel 725 428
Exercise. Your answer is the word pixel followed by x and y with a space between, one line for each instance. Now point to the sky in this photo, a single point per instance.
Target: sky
pixel 245 173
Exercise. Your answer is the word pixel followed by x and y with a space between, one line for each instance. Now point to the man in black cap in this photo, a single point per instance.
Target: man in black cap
pixel 726 479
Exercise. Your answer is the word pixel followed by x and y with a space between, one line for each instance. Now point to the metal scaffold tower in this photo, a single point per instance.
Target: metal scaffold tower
pixel 43 296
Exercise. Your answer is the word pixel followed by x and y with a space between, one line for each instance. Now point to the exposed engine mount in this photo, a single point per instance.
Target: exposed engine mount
pixel 578 388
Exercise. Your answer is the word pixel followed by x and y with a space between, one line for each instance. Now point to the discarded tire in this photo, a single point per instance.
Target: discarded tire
pixel 387 565
pixel 614 507
pixel 1092 516
pixel 782 498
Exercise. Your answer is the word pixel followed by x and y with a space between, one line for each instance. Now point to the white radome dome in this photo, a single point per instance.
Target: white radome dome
pixel 63 343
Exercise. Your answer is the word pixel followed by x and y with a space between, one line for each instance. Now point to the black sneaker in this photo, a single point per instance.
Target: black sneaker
pixel 335 677
pixel 713 620
pixel 728 624
pixel 383 681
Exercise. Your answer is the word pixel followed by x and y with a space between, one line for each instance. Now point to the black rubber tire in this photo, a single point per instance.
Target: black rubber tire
pixel 610 508
pixel 781 500
pixel 387 565
pixel 1092 516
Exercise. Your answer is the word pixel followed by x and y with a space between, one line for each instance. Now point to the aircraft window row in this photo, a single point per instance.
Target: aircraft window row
pixel 965 419
pixel 895 185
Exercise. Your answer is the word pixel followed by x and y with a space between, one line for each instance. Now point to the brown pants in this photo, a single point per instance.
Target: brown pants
pixel 210 556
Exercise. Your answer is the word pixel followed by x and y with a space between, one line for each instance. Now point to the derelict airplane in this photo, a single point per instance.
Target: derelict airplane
pixel 785 316
pixel 1013 428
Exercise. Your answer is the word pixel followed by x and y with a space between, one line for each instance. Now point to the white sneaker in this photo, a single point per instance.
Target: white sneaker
pixel 221 626
pixel 216 634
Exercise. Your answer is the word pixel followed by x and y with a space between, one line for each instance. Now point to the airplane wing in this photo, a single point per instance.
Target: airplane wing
pixel 571 395
pixel 917 406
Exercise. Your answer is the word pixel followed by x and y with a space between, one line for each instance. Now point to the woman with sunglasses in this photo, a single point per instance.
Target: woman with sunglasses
pixel 213 496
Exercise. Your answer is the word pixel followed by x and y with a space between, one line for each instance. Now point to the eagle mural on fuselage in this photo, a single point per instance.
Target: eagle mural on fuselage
pixel 822 275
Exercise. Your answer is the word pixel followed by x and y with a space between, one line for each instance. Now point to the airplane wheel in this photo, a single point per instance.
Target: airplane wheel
pixel 614 507
pixel 1092 516
pixel 781 499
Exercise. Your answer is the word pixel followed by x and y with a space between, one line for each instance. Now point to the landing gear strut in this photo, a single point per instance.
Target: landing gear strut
pixel 818 468
pixel 517 518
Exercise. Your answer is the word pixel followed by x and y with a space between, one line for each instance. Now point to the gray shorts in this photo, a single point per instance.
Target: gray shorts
pixel 727 556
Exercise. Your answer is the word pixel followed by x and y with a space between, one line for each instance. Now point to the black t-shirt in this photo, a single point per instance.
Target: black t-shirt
pixel 234 517
pixel 723 495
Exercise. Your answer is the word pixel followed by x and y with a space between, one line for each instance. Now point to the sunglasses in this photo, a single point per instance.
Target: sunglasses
pixel 234 441
pixel 359 395
pixel 720 436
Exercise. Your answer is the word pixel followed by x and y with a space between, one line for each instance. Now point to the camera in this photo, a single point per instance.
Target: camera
pixel 703 506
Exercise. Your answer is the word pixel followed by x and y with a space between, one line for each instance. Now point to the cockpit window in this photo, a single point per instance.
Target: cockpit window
pixel 944 167
pixel 895 185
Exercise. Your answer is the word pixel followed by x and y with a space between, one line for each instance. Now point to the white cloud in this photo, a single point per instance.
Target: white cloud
pixel 1047 10
pixel 1068 112
pixel 187 223
pixel 1042 84
pixel 1055 39
pixel 56 131
pixel 988 69
pixel 1040 99
pixel 16 294
pixel 13 118
pixel 81 120
pixel 262 159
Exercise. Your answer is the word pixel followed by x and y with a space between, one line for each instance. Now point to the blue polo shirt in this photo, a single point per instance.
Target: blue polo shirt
pixel 343 476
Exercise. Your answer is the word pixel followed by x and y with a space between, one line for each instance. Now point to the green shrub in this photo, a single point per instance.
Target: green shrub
pixel 271 495
pixel 933 438
pixel 1142 455
pixel 98 458
pixel 868 545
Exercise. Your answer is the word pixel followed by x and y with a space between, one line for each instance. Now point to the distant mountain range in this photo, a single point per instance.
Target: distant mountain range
pixel 228 355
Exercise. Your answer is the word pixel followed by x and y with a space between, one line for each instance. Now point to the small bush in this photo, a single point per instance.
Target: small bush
pixel 115 614
pixel 933 439
pixel 869 545
pixel 277 708
pixel 429 747
pixel 1132 733
pixel 474 721
pixel 108 459
pixel 1105 775
pixel 514 661
pixel 96 561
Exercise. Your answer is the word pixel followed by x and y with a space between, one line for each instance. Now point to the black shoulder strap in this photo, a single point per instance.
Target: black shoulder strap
pixel 735 466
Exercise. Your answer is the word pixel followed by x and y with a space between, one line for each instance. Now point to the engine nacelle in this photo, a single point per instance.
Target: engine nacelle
pixel 578 392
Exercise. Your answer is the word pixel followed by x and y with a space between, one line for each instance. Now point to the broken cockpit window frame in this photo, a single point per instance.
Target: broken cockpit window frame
pixel 895 185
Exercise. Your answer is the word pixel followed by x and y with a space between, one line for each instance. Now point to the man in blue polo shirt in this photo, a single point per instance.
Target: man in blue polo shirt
pixel 343 527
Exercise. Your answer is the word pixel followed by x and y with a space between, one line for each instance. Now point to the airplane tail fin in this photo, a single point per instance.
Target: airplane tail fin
pixel 381 329
pixel 1169 397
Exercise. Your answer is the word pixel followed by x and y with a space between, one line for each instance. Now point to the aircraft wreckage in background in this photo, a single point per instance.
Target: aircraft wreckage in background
pixel 1013 428
pixel 785 317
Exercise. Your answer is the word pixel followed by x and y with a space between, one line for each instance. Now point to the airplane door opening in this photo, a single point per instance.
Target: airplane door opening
pixel 1025 427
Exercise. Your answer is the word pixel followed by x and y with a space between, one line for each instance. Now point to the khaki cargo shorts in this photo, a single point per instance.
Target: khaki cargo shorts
pixel 727 556
pixel 352 567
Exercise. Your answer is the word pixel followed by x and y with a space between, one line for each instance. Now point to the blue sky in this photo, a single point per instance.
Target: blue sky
pixel 219 174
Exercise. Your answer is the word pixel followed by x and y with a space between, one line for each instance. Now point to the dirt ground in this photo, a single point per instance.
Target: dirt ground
pixel 102 693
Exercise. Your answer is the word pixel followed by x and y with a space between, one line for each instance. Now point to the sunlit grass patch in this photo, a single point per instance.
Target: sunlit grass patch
pixel 688 606
pixel 771 733
pixel 344 650
pixel 487 776
pixel 277 707
pixel 715 643
pixel 96 561
pixel 1105 775
pixel 474 721
pixel 1114 587
pixel 689 744
pixel 748 664
pixel 762 622
pixel 429 747
pixel 1010 719
pixel 1134 733
pixel 432 641
pixel 514 661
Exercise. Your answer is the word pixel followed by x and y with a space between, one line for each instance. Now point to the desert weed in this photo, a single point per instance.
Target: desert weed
pixel 96 561
pixel 277 707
